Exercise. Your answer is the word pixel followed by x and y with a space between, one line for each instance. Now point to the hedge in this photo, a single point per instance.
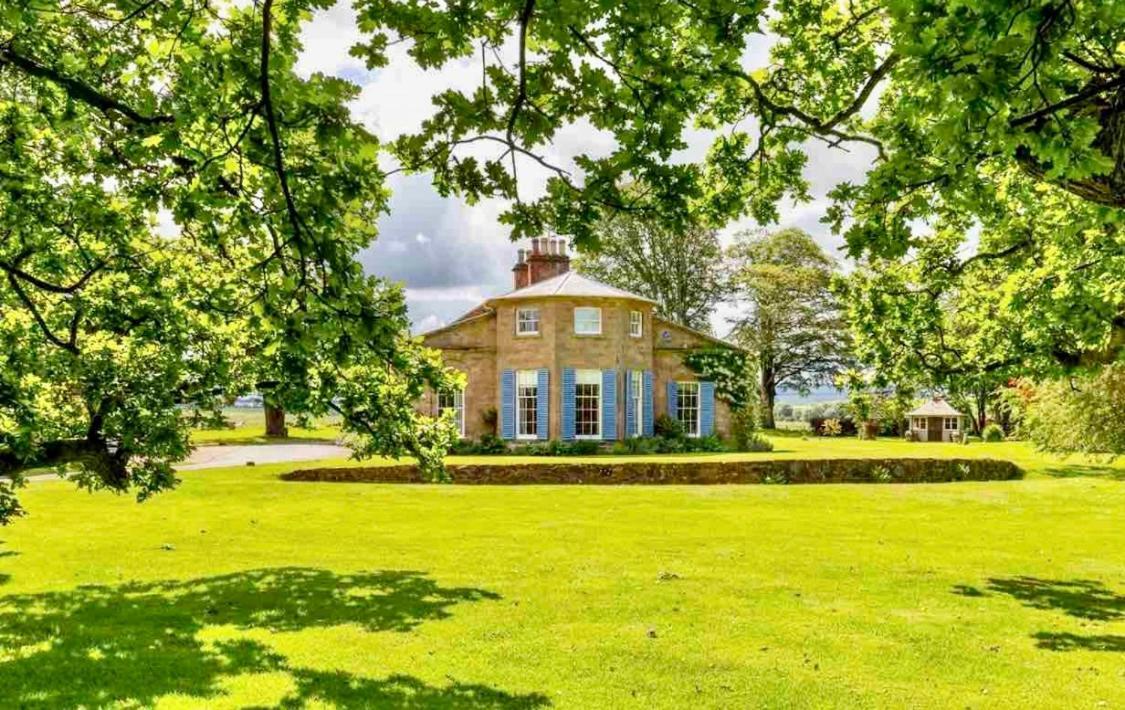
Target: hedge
pixel 695 472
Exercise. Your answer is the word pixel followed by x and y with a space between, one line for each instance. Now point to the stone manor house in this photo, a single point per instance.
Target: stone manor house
pixel 566 357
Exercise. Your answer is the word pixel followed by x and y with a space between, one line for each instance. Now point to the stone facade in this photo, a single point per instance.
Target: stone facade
pixel 485 343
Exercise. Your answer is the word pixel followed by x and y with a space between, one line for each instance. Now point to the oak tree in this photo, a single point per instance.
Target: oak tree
pixel 975 117
pixel 176 203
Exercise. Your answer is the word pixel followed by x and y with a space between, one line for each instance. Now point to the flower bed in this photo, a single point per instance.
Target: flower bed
pixel 907 470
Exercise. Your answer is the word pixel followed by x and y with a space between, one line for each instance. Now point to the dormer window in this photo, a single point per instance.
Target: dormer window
pixel 587 321
pixel 636 324
pixel 527 321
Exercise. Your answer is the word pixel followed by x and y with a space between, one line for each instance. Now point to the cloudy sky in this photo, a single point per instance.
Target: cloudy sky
pixel 451 255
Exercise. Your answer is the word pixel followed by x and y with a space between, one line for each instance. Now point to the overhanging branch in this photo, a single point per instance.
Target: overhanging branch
pixel 77 89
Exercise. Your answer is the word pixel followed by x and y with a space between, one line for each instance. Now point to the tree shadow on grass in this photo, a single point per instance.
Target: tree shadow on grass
pixel 4 577
pixel 1074 642
pixel 1081 598
pixel 131 644
pixel 1086 471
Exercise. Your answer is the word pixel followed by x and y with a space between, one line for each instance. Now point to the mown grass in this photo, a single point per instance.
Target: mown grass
pixel 238 589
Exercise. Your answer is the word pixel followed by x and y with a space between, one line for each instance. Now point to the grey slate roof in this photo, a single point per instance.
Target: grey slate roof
pixel 570 284
pixel 936 407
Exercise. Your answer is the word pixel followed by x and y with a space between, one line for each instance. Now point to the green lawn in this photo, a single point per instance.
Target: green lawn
pixel 238 589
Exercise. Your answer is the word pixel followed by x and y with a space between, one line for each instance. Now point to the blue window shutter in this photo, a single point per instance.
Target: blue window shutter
pixel 609 405
pixel 648 404
pixel 508 404
pixel 706 408
pixel 543 403
pixel 672 399
pixel 630 415
pixel 568 381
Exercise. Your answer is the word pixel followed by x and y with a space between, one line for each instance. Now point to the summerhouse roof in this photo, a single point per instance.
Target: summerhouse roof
pixel 936 407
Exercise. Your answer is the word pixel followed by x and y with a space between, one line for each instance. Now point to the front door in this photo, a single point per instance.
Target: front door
pixel 933 429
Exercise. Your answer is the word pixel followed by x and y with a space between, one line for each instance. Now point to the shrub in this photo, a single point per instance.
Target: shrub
pixel 833 426
pixel 709 443
pixel 755 443
pixel 463 447
pixel 992 433
pixel 667 428
pixel 489 444
pixel 584 447
pixel 489 417
pixel 492 444
pixel 1084 413
pixel 635 445
pixel 666 445
pixel 742 428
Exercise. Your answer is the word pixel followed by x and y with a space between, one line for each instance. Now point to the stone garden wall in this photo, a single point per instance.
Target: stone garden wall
pixel 907 470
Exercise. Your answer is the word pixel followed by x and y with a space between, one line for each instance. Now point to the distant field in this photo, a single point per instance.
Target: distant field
pixel 793 426
pixel 249 427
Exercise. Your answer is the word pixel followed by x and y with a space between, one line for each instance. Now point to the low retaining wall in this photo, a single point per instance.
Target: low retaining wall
pixel 694 472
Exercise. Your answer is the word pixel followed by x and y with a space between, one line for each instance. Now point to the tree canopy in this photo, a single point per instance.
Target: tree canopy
pixel 996 131
pixel 179 207
pixel 681 269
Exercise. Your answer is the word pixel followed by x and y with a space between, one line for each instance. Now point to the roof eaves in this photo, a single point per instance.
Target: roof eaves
pixel 463 320
pixel 700 334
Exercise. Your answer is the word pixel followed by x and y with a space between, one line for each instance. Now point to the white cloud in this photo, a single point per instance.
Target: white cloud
pixel 430 322
pixel 451 255
pixel 327 39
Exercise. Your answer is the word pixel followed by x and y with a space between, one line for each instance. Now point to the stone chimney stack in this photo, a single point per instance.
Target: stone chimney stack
pixel 546 259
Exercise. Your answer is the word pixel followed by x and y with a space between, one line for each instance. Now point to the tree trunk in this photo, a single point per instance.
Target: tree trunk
pixel 769 393
pixel 982 412
pixel 275 422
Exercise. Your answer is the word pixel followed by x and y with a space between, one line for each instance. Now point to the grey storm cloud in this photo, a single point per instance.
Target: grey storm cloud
pixel 425 242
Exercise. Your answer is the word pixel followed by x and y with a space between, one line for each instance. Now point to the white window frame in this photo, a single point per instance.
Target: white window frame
pixel 458 406
pixel 636 324
pixel 585 315
pixel 527 379
pixel 521 321
pixel 588 378
pixel 955 421
pixel 680 386
pixel 637 391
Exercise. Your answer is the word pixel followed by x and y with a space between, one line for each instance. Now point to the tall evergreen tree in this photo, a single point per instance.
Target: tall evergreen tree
pixel 788 316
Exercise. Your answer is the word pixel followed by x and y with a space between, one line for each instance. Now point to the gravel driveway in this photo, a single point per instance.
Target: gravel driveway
pixel 218 456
